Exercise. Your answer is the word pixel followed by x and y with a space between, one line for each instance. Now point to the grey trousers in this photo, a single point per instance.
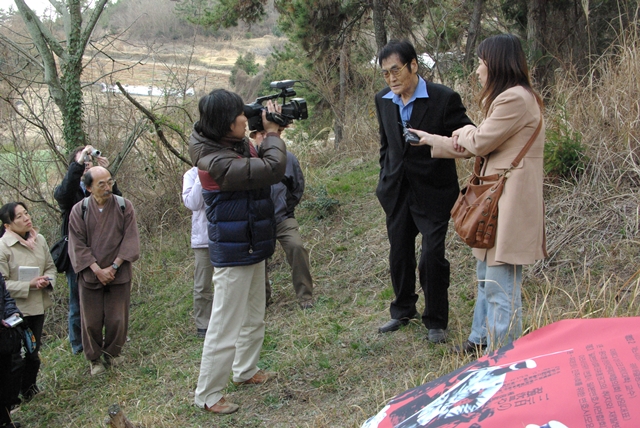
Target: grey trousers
pixel 288 234
pixel 202 288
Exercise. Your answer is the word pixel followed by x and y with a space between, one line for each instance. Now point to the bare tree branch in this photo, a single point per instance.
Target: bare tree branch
pixel 46 46
pixel 22 52
pixel 93 20
pixel 33 23
pixel 157 124
pixel 135 134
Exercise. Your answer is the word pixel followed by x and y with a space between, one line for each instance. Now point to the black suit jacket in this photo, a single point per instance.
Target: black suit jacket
pixel 433 183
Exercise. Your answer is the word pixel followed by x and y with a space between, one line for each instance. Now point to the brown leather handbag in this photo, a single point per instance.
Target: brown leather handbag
pixel 475 213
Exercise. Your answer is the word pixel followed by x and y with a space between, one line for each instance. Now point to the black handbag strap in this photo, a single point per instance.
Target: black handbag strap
pixel 477 166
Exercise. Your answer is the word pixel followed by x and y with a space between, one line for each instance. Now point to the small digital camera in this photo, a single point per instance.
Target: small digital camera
pixel 13 320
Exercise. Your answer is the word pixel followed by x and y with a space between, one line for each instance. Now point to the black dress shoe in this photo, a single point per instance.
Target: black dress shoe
pixel 437 335
pixel 469 348
pixel 392 325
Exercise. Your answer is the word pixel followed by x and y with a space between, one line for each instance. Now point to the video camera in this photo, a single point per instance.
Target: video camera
pixel 296 109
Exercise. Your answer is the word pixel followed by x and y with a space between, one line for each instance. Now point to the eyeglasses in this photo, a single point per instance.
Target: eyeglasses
pixel 104 184
pixel 394 70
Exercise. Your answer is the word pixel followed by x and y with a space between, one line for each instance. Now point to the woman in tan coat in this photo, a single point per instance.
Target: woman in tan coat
pixel 21 246
pixel 513 111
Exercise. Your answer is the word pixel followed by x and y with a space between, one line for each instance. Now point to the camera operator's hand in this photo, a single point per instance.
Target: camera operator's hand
pixel 266 123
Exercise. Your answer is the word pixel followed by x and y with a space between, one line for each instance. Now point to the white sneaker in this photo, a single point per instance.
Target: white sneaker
pixel 97 368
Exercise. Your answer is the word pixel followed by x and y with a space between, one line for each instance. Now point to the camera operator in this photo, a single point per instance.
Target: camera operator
pixel 67 194
pixel 236 185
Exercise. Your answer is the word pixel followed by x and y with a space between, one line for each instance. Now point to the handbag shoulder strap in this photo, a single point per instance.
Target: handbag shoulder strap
pixel 527 146
pixel 477 166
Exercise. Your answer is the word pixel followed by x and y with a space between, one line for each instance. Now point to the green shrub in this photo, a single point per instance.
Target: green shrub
pixel 247 63
pixel 564 153
pixel 318 202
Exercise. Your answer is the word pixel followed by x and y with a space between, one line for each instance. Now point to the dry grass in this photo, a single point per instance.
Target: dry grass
pixel 334 369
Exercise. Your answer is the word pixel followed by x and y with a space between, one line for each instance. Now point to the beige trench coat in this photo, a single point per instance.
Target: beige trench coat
pixel 511 121
pixel 30 301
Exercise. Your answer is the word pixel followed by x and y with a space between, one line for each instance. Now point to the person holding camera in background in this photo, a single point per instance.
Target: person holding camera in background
pixel 286 195
pixel 236 185
pixel 415 190
pixel 67 194
pixel 203 270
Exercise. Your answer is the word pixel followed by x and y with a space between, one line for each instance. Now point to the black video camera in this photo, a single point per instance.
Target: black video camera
pixel 296 109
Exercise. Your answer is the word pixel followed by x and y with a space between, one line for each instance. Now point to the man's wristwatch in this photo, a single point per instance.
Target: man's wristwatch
pixel 115 266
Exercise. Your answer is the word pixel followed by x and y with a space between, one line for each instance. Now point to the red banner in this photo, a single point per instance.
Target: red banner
pixel 573 373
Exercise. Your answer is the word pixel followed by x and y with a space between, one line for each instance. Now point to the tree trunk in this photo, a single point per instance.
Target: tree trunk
pixel 73 112
pixel 379 8
pixel 473 33
pixel 64 85
pixel 536 29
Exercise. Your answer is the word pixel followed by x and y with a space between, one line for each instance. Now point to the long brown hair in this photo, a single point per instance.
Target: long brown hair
pixel 506 68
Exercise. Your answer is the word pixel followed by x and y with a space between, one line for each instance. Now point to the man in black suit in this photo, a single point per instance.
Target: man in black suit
pixel 415 190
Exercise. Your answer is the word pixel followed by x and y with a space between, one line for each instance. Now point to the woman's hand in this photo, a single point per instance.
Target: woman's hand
pixel 457 147
pixel 454 136
pixel 39 282
pixel 426 139
pixel 267 124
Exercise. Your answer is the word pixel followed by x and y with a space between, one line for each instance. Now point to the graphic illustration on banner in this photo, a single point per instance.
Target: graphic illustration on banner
pixel 570 374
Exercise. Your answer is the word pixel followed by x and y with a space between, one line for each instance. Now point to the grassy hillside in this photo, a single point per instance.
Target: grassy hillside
pixel 334 369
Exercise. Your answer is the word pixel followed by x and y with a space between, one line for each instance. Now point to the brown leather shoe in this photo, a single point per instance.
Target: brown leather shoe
pixel 257 379
pixel 222 407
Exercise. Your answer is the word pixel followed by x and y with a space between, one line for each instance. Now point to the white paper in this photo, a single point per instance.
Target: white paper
pixel 27 273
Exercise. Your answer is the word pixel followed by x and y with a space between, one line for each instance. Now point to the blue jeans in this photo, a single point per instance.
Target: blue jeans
pixel 75 332
pixel 497 316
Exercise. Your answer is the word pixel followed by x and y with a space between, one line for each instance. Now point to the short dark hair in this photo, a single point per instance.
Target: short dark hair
pixel 403 48
pixel 73 154
pixel 8 214
pixel 218 110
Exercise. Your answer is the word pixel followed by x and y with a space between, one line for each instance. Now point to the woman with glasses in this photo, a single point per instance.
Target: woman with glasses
pixel 30 274
pixel 512 116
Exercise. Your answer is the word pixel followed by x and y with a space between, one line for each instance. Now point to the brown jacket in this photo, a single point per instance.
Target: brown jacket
pixel 101 237
pixel 512 119
pixel 233 168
